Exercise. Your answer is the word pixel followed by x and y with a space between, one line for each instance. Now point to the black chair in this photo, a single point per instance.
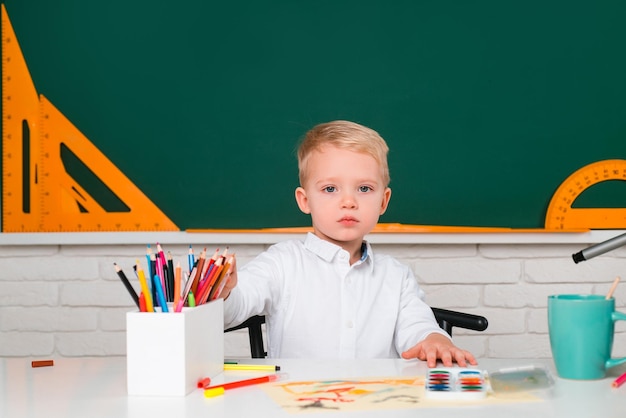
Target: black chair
pixel 445 318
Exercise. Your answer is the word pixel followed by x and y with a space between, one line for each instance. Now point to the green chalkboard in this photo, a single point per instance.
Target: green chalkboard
pixel 487 106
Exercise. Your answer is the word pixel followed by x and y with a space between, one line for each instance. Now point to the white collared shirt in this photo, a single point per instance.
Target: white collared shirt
pixel 319 306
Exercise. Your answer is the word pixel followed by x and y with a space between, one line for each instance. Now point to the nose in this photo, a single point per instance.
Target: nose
pixel 348 201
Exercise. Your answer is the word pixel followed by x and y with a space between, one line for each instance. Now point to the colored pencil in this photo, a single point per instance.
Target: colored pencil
pixel 142 303
pixel 160 293
pixel 199 267
pixel 144 286
pixel 183 296
pixel 190 258
pixel 127 284
pixel 177 283
pixel 170 277
pixel 619 381
pixel 223 279
pixel 609 295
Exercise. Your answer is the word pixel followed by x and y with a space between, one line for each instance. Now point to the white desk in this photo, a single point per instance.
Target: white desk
pixel 96 387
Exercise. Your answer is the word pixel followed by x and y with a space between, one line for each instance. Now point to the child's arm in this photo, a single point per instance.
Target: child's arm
pixel 439 347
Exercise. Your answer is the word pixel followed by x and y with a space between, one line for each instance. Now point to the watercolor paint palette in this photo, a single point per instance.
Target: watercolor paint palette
pixel 455 384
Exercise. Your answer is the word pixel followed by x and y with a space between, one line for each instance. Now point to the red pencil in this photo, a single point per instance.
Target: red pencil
pixel 142 303
pixel 619 381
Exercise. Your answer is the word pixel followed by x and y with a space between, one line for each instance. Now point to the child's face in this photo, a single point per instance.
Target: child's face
pixel 344 194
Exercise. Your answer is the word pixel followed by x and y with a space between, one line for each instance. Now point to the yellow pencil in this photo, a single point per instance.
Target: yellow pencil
pixel 266 367
pixel 144 287
pixel 177 278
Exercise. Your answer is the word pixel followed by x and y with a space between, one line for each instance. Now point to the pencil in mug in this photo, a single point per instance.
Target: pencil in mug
pixel 161 254
pixel 209 265
pixel 164 274
pixel 185 293
pixel 206 288
pixel 148 258
pixel 160 293
pixel 144 286
pixel 160 271
pixel 170 277
pixel 199 267
pixel 177 282
pixel 190 258
pixel 142 303
pixel 216 291
pixel 151 272
pixel 127 284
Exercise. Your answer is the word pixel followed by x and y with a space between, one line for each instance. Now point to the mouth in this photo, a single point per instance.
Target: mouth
pixel 348 220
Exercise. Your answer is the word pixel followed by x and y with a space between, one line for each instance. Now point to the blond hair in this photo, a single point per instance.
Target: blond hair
pixel 346 135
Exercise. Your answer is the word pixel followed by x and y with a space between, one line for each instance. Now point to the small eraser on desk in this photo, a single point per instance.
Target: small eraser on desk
pixel 42 363
pixel 455 383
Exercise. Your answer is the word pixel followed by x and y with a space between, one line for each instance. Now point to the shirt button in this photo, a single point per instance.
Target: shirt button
pixel 350 324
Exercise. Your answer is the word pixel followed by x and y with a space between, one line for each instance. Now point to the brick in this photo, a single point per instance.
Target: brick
pixel 406 253
pixel 49 269
pixel 14 252
pixel 29 294
pixel 519 346
pixel 26 344
pixel 522 251
pixel 95 294
pixel 79 344
pixel 113 319
pixel 48 319
pixel 452 296
pixel 538 321
pixel 467 271
pixel 504 321
pixel 564 270
pixel 520 295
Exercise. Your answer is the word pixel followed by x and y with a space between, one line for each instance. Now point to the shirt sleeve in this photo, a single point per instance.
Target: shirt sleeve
pixel 415 318
pixel 257 288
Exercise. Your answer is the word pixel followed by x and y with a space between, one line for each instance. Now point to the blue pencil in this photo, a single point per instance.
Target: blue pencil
pixel 159 289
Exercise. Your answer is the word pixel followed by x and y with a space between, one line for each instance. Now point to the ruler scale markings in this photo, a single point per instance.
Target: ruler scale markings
pixel 562 216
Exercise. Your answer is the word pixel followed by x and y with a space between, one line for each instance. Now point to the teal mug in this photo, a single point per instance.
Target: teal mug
pixel 581 331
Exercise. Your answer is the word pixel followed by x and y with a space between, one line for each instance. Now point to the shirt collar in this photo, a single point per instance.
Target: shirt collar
pixel 327 250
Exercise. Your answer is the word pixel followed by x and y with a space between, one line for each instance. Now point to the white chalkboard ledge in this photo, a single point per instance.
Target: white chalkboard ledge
pixel 231 238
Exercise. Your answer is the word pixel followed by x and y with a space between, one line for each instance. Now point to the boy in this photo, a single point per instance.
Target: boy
pixel 331 296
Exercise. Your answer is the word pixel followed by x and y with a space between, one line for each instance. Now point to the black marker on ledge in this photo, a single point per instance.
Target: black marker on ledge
pixel 600 248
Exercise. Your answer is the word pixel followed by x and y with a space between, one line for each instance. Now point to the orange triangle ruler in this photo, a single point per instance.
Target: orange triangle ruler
pixel 38 193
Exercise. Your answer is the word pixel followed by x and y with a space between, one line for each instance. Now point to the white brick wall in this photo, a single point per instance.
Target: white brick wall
pixel 66 300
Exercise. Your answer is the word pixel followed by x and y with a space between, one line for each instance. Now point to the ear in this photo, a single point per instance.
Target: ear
pixel 386 198
pixel 302 200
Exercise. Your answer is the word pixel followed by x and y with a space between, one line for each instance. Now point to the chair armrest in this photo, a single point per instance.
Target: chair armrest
pixel 255 335
pixel 448 319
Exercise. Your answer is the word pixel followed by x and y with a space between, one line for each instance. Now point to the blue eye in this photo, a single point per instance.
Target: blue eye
pixel 365 189
pixel 329 189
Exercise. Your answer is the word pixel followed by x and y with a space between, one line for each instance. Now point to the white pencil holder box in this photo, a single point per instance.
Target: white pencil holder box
pixel 168 353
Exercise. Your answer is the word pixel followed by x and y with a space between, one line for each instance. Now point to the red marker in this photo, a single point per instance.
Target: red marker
pixel 246 382
pixel 204 383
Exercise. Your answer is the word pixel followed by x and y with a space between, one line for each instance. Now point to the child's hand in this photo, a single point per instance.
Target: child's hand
pixel 437 346
pixel 231 280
